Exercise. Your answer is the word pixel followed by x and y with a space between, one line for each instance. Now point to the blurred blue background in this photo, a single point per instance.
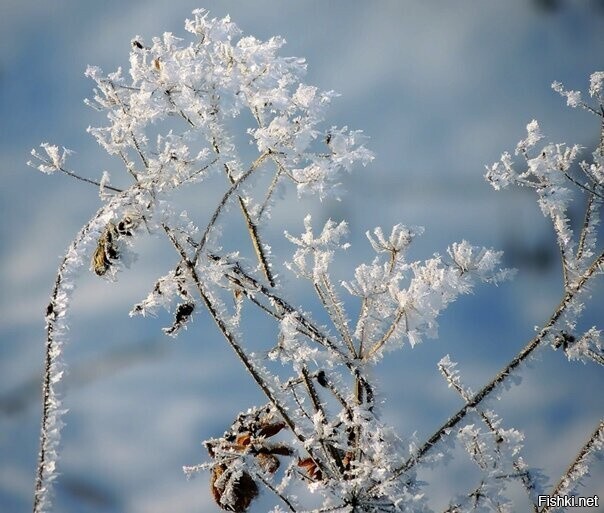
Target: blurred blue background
pixel 442 88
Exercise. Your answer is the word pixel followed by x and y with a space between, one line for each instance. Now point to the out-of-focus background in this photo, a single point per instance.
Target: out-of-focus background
pixel 442 88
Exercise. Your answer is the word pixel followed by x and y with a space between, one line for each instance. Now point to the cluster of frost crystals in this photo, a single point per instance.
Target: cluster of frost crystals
pixel 206 83
pixel 448 368
pixel 51 160
pixel 573 98
pixel 292 348
pixel 315 254
pixel 492 448
pixel 369 478
pixel 403 299
pixel 548 174
pixel 588 347
pixel 596 86
pixel 557 177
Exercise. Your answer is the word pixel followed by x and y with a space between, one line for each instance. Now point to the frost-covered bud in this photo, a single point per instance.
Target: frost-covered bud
pixel 479 261
pixel 501 174
pixel 53 160
pixel 596 84
pixel 534 135
pixel 573 98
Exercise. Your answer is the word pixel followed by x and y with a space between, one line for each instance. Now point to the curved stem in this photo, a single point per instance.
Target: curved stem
pixel 55 313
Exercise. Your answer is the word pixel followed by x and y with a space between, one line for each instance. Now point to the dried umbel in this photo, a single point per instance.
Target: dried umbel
pixel 232 487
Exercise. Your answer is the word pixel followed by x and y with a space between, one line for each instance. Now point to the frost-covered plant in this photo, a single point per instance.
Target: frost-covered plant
pixel 170 123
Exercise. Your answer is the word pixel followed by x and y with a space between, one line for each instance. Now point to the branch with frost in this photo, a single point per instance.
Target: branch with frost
pixel 544 175
pixel 497 472
pixel 579 468
pixel 567 305
pixel 206 84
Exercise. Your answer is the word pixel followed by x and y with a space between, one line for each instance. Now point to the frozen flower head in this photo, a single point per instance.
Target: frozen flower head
pixel 400 238
pixel 51 160
pixel 573 98
pixel 534 135
pixel 320 249
pixel 596 85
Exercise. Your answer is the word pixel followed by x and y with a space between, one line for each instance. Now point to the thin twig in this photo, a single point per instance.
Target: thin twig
pixel 598 358
pixel 586 226
pixel 252 229
pixel 270 191
pixel 224 201
pixel 50 401
pixel 330 450
pixel 339 319
pixel 88 180
pixel 284 499
pixel 380 343
pixel 580 185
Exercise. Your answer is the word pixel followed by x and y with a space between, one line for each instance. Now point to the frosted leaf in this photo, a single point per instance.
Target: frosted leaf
pixel 182 315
